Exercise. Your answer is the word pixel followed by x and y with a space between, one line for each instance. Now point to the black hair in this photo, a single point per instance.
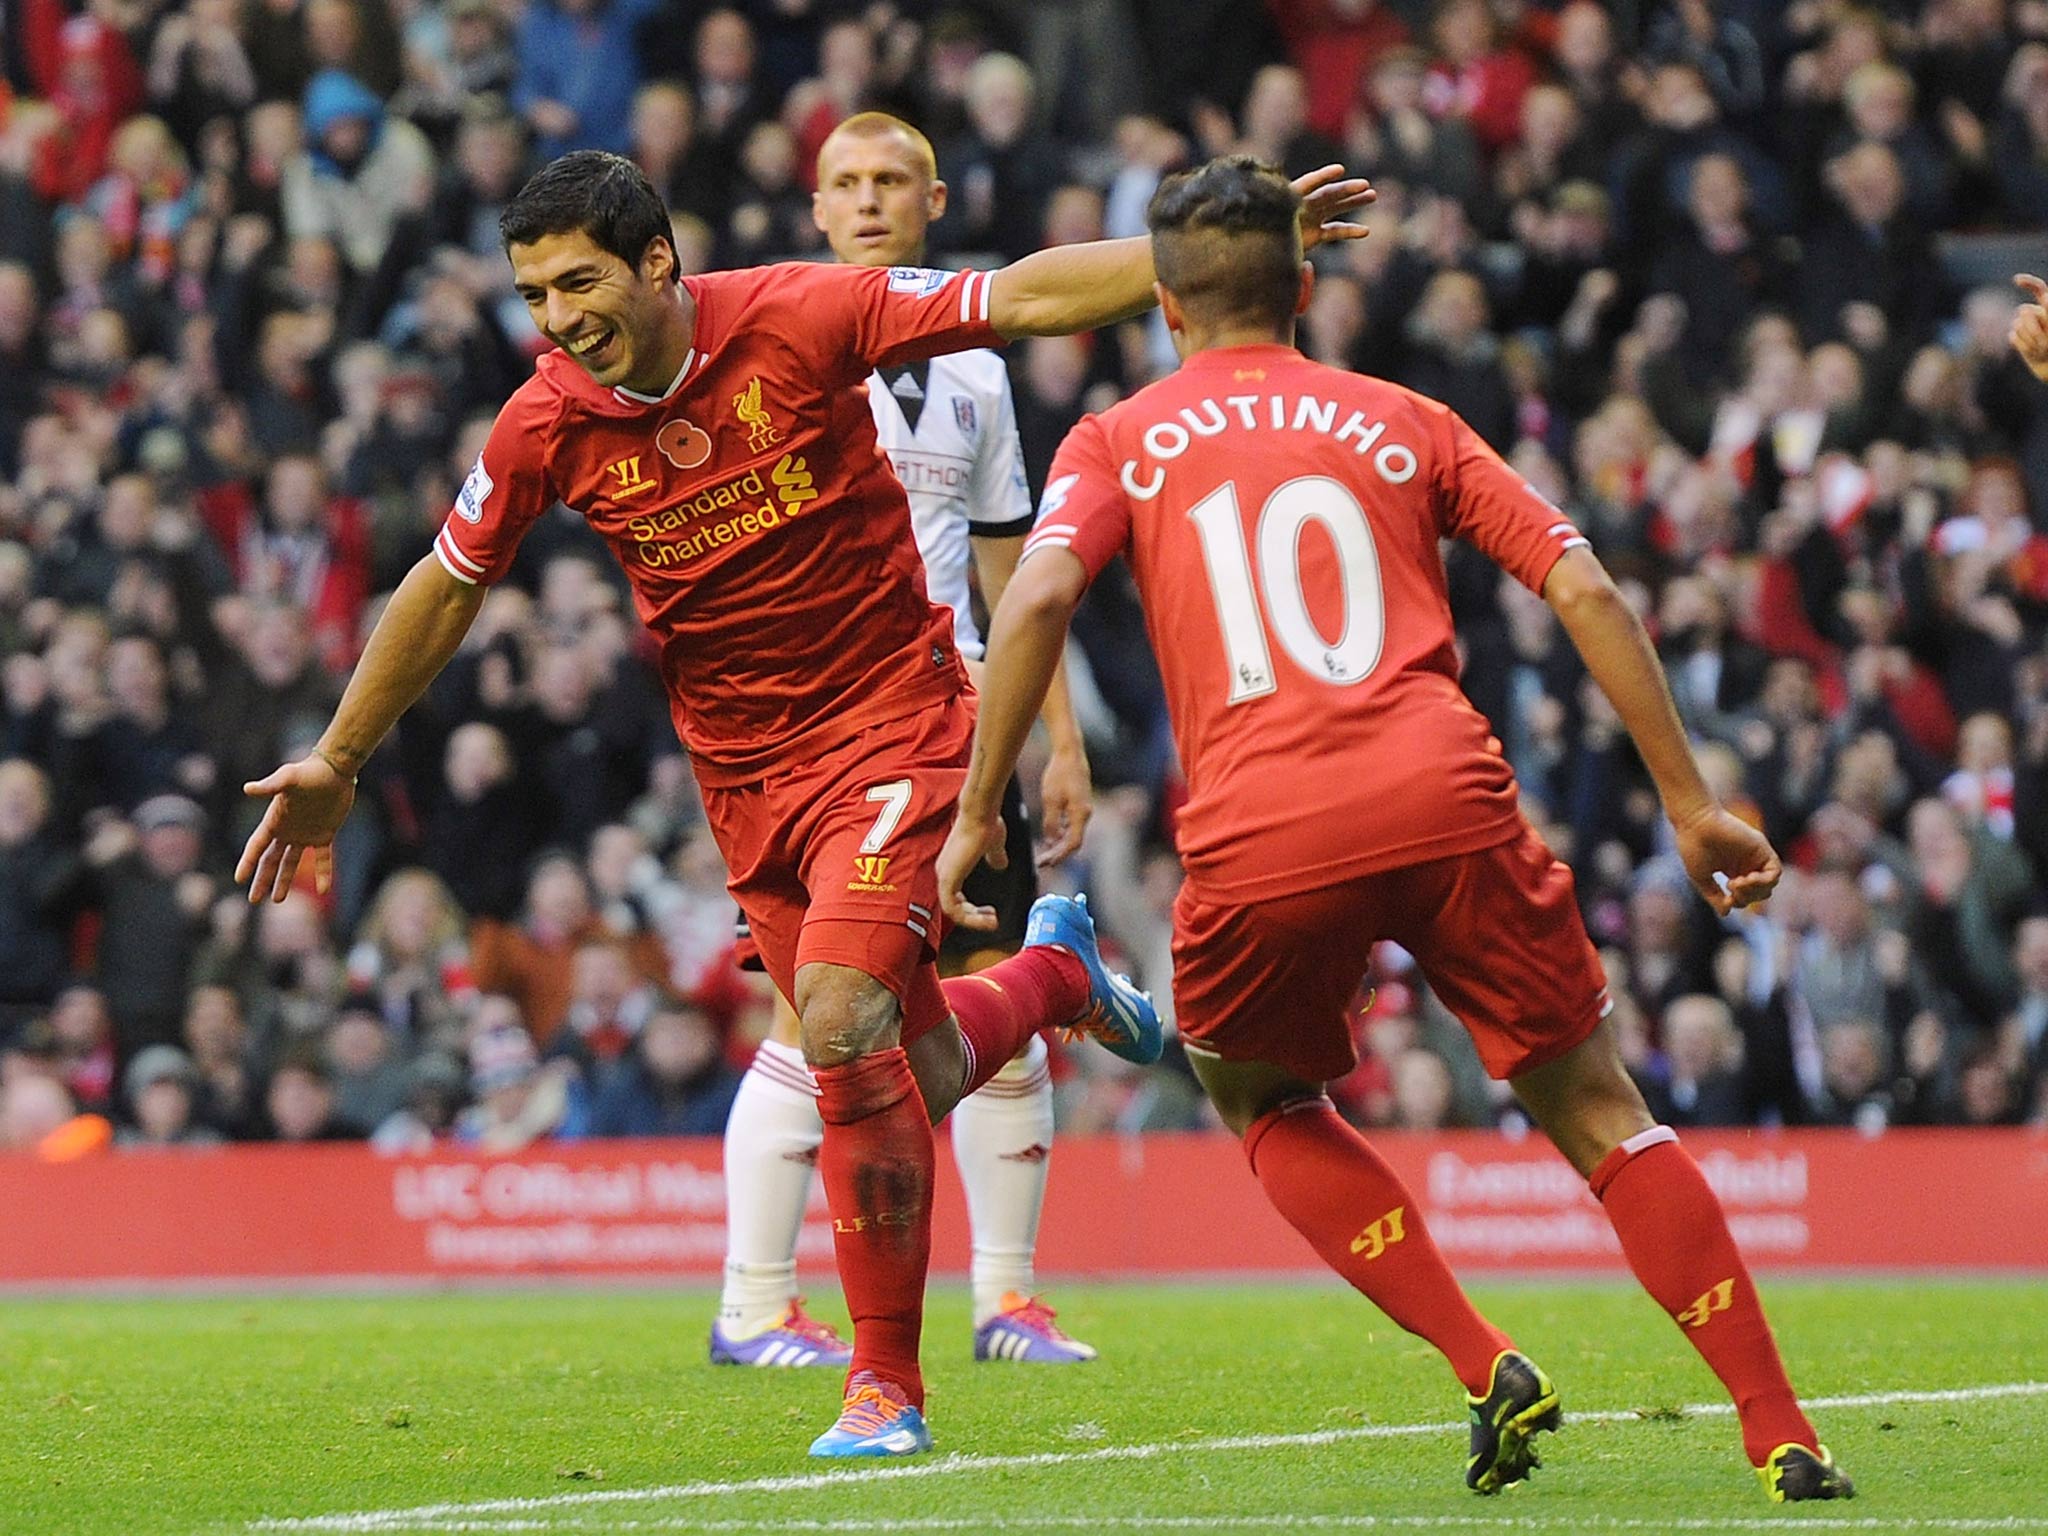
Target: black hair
pixel 605 196
pixel 1226 240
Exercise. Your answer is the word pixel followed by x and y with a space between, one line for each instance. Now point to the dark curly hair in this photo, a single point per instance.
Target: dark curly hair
pixel 1227 242
pixel 605 196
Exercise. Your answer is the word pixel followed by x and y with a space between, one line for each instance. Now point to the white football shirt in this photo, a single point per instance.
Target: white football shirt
pixel 949 428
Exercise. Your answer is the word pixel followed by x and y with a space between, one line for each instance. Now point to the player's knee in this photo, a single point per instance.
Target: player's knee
pixel 1585 1101
pixel 1246 1092
pixel 844 1015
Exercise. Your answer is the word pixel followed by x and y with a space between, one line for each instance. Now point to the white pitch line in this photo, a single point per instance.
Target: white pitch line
pixel 939 1526
pixel 429 1515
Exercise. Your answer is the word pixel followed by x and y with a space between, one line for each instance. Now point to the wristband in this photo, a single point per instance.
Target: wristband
pixel 327 758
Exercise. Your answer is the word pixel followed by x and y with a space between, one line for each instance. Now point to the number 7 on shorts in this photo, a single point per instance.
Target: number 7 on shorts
pixel 895 800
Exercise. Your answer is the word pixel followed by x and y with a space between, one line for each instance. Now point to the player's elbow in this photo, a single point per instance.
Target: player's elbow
pixel 1045 590
pixel 1015 310
pixel 436 589
pixel 1578 585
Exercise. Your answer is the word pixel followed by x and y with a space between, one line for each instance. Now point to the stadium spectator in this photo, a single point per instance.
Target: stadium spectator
pixel 1001 171
pixel 578 70
pixel 2030 964
pixel 1973 889
pixel 366 1066
pixel 453 56
pixel 1698 1082
pixel 1272 125
pixel 671 1081
pixel 1392 137
pixel 1455 357
pixel 360 173
pixel 730 99
pixel 518 1101
pixel 81 1033
pixel 1720 267
pixel 666 146
pixel 1853 1071
pixel 1721 48
pixel 1839 972
pixel 609 1005
pixel 33 871
pixel 411 957
pixel 484 827
pixel 144 881
pixel 224 1077
pixel 199 68
pixel 161 1086
pixel 299 1101
pixel 1869 252
pixel 1478 76
pixel 37 1116
pixel 1422 1099
pixel 436 1088
pixel 532 963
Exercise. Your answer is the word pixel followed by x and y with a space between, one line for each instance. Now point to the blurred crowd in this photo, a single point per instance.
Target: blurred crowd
pixel 1726 279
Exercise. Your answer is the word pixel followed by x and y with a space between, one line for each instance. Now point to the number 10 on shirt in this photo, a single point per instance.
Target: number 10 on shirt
pixel 1352 655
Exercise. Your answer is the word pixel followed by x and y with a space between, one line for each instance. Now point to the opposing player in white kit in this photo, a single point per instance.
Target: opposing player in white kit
pixel 950 431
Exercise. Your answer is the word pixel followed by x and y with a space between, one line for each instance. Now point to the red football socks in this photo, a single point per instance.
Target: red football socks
pixel 1675 1236
pixel 876 1161
pixel 1001 1008
pixel 1356 1213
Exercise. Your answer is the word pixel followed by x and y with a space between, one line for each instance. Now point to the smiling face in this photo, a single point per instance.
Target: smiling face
pixel 876 194
pixel 620 324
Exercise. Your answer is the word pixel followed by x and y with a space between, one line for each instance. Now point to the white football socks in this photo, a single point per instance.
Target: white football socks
pixel 771 1147
pixel 1002 1139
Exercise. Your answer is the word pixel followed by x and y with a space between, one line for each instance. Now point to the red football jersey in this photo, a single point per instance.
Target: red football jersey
pixel 1282 521
pixel 766 538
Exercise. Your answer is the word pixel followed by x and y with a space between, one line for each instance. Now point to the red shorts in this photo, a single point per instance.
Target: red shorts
pixel 1496 933
pixel 835 861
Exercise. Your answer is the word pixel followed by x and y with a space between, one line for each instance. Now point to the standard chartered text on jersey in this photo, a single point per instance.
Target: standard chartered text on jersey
pixel 795 489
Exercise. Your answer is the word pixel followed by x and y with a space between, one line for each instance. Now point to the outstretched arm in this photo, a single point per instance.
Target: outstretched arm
pixel 421 628
pixel 1716 846
pixel 1026 638
pixel 1071 288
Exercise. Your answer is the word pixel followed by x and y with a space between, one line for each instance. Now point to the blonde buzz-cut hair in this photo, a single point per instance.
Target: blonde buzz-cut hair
pixel 877 125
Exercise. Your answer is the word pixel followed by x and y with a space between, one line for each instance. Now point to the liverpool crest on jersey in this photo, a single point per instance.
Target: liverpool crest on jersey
pixel 761 429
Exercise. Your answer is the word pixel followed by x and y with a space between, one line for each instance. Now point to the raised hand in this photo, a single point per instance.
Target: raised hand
pixel 1730 863
pixel 1325 193
pixel 309 800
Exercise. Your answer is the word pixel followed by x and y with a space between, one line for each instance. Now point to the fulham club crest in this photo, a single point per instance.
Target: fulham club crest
pixel 963 413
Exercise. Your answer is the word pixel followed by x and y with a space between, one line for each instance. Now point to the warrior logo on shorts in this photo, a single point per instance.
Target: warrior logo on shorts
pixel 870 873
pixel 1381 1235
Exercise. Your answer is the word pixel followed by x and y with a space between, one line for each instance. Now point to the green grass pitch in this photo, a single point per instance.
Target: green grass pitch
pixel 1227 1409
